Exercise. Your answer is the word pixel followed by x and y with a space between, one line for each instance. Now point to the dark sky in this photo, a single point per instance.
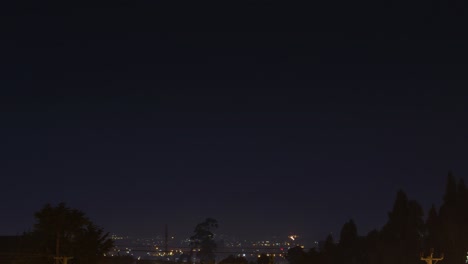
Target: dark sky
pixel 270 118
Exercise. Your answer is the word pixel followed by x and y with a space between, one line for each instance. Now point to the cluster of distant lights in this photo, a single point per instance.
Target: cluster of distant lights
pixel 258 255
pixel 115 237
pixel 127 250
pixel 268 244
pixel 173 253
pixel 165 254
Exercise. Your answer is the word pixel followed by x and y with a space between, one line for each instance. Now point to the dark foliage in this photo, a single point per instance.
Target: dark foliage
pixel 203 239
pixel 64 231
pixel 404 237
pixel 296 255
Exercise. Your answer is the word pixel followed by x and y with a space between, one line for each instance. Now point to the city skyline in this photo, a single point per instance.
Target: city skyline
pixel 173 249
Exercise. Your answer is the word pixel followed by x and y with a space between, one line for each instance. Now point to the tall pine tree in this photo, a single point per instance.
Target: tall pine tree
pixel 450 223
pixel 348 245
pixel 401 236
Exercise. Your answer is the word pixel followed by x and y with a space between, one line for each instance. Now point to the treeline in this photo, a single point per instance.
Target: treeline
pixel 406 235
pixel 59 231
pixel 63 231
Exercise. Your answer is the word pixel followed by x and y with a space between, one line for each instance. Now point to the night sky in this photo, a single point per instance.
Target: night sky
pixel 273 119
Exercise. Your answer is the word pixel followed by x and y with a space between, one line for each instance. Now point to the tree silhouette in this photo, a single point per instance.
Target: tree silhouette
pixel 402 234
pixel 452 221
pixel 313 256
pixel 91 243
pixel 328 253
pixel 372 248
pixel 347 247
pixel 203 239
pixel 63 231
pixel 296 255
pixel 432 236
